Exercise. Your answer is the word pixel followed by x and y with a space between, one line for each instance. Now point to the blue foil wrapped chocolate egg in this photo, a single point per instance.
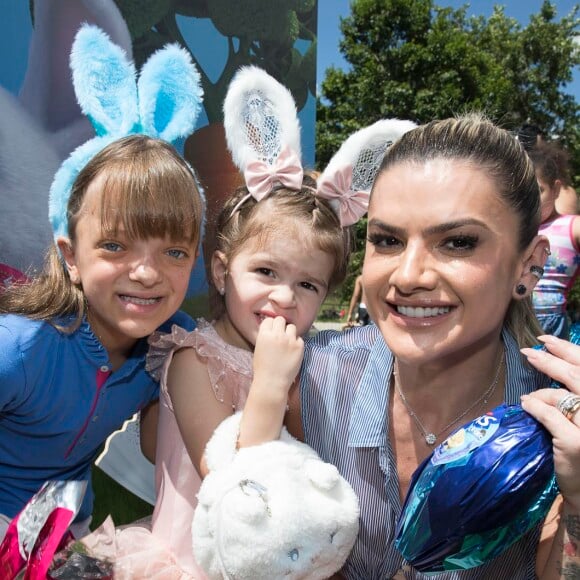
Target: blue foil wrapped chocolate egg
pixel 482 489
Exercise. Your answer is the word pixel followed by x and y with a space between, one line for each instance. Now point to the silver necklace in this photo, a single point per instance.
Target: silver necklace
pixel 430 437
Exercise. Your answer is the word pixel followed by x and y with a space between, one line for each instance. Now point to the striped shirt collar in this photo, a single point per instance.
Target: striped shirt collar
pixel 368 425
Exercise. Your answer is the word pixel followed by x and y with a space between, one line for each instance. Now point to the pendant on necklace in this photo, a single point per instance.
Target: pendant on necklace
pixel 430 438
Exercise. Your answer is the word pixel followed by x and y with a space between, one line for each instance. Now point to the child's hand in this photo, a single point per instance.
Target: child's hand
pixel 277 358
pixel 277 355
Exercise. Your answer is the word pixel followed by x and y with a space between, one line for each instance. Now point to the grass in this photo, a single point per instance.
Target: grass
pixel 113 499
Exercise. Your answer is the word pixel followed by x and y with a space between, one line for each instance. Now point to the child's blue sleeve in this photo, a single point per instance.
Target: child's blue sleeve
pixel 12 371
pixel 180 318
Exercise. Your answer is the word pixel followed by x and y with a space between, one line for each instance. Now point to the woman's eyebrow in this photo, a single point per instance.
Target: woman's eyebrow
pixel 455 224
pixel 437 229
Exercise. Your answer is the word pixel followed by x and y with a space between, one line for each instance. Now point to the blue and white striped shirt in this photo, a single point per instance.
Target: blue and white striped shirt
pixel 345 398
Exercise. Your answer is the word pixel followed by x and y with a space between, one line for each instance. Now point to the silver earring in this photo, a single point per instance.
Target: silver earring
pixel 537 271
pixel 222 291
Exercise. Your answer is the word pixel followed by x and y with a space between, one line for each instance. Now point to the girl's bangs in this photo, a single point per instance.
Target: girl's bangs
pixel 144 203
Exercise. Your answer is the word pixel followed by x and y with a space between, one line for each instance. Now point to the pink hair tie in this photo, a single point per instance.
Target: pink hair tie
pixel 9 275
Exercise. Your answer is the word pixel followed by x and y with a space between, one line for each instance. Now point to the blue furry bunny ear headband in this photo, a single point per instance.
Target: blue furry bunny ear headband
pixel 164 103
pixel 263 136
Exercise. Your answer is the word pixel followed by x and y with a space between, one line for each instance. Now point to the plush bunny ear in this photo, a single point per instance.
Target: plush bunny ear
pixel 350 174
pixel 262 131
pixel 64 179
pixel 104 82
pixel 170 94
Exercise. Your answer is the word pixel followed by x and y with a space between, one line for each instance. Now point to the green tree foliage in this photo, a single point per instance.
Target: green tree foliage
pixel 258 32
pixel 359 231
pixel 412 59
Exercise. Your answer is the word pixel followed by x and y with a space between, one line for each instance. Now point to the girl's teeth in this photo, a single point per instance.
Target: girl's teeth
pixel 420 312
pixel 141 301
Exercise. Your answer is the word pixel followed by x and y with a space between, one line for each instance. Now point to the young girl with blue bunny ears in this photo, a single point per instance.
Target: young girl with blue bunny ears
pixel 282 244
pixel 127 215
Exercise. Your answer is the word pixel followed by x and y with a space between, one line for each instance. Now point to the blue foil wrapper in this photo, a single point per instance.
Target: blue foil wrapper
pixel 481 490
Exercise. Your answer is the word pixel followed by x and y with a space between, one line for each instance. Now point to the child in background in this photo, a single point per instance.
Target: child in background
pixel 567 198
pixel 563 232
pixel 280 248
pixel 126 213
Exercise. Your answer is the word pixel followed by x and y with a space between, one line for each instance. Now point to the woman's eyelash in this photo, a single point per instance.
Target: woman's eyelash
pixel 463 242
pixel 381 239
pixel 456 243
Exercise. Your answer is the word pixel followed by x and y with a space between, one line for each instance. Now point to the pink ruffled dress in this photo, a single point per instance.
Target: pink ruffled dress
pixel 161 549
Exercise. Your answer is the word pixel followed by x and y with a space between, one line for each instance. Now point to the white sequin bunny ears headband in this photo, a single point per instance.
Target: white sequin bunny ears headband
pixel 263 136
pixel 164 103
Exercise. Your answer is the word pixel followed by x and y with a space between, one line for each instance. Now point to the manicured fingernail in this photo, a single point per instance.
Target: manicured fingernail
pixel 531 353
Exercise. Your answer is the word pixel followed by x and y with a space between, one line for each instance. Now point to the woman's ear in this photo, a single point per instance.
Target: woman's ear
pixel 67 252
pixel 533 265
pixel 219 271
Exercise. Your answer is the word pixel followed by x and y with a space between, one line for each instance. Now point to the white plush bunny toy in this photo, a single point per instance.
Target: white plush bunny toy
pixel 271 511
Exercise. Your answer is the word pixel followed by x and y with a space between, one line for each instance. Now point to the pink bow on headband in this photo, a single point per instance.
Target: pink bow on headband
pixel 352 204
pixel 261 177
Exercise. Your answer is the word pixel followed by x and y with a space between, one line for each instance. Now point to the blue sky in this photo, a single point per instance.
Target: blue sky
pixel 330 11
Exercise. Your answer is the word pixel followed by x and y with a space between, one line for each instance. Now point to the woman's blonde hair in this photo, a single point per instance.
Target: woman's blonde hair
pixel 283 210
pixel 477 140
pixel 147 189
